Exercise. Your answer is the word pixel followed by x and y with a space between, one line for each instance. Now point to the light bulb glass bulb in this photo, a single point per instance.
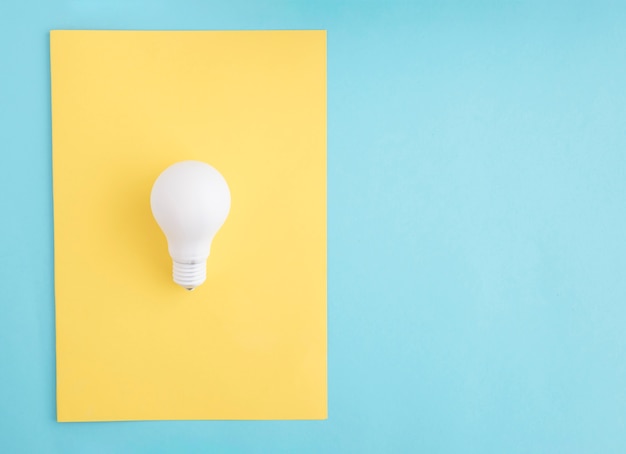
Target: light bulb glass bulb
pixel 190 201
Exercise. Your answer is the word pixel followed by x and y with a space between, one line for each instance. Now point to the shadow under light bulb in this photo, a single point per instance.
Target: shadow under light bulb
pixel 190 201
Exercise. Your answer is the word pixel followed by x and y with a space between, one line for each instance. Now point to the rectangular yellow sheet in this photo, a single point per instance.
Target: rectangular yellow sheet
pixel 250 343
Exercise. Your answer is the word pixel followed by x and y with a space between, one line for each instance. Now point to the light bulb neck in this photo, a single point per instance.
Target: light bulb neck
pixel 189 275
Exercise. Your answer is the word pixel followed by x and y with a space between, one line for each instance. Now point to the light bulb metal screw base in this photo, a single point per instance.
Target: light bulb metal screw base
pixel 189 275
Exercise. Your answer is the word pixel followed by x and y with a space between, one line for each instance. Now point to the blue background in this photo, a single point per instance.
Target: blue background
pixel 477 221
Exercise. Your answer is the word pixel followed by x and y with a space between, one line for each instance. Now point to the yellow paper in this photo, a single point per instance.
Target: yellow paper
pixel 250 343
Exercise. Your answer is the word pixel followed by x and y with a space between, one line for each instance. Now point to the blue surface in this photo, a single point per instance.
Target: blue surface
pixel 477 228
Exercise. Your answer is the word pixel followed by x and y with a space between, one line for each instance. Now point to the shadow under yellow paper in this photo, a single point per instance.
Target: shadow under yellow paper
pixel 250 343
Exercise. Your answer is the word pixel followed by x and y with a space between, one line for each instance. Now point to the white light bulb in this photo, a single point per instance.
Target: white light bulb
pixel 190 201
